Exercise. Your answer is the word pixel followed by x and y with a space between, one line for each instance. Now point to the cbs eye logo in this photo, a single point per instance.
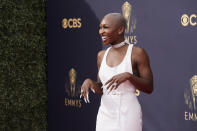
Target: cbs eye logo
pixel 71 23
pixel 186 20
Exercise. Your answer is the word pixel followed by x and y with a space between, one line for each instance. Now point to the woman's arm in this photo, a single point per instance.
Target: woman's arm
pixel 90 84
pixel 143 82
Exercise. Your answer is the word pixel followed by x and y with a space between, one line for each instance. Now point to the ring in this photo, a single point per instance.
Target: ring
pixel 115 84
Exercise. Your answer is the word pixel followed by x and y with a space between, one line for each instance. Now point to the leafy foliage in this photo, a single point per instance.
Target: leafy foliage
pixel 23 92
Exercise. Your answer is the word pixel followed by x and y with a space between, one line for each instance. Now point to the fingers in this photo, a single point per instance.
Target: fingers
pixel 87 84
pixel 110 84
pixel 114 81
pixel 116 86
pixel 109 81
pixel 92 90
pixel 85 95
pixel 81 93
pixel 113 87
pixel 110 89
pixel 113 84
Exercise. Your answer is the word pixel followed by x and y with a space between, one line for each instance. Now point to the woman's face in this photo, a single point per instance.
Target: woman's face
pixel 108 31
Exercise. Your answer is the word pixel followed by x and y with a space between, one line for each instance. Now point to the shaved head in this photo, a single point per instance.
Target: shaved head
pixel 117 18
pixel 112 28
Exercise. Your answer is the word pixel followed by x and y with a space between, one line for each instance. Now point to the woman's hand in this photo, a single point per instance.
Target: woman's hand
pixel 85 89
pixel 116 80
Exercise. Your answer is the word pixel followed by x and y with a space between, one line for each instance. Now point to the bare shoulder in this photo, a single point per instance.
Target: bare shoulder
pixel 100 57
pixel 100 54
pixel 139 53
pixel 138 50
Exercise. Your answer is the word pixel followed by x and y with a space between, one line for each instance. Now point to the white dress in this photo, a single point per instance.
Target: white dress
pixel 119 110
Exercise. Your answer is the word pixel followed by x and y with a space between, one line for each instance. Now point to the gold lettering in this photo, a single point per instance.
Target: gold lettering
pixel 127 38
pixel 192 23
pixel 65 101
pixel 186 115
pixel 69 102
pixel 131 39
pixel 185 20
pixel 73 102
pixel 69 23
pixel 79 22
pixel 135 40
pixel 75 23
pixel 190 116
pixel 195 116
pixel 80 104
pixel 64 23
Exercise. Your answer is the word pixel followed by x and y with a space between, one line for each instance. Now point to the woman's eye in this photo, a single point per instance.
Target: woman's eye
pixel 103 27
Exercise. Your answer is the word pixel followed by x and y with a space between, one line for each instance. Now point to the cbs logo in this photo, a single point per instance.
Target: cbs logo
pixel 71 23
pixel 186 20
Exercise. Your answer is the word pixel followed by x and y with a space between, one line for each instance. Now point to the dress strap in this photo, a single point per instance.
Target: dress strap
pixel 104 57
pixel 130 47
pixel 128 58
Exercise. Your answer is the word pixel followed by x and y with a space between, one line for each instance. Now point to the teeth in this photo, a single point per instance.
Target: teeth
pixel 104 37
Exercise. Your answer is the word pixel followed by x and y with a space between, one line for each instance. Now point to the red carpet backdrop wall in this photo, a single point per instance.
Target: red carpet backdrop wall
pixel 167 30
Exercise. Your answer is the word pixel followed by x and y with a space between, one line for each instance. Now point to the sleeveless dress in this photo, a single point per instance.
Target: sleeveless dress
pixel 119 110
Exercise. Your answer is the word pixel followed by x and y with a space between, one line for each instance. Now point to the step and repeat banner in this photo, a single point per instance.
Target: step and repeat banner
pixel 167 30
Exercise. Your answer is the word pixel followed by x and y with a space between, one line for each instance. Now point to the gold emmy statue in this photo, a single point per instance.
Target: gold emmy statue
pixel 72 75
pixel 126 11
pixel 64 23
pixel 193 83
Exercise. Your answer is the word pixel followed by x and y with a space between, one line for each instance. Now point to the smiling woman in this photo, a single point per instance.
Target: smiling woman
pixel 108 33
pixel 123 68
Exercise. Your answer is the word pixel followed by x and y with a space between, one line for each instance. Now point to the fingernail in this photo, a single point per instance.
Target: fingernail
pixel 88 100
pixel 108 91
pixel 87 96
pixel 93 91
pixel 80 96
pixel 85 100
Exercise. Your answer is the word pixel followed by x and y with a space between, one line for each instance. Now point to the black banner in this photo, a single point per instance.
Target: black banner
pixel 167 30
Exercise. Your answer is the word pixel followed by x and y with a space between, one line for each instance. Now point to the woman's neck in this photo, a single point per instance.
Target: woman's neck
pixel 118 41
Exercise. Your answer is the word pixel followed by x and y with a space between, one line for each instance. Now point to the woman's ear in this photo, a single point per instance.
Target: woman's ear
pixel 121 30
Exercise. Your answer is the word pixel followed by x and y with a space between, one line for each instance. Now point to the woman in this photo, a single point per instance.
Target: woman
pixel 123 68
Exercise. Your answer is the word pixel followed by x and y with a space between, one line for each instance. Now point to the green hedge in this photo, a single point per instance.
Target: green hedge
pixel 23 92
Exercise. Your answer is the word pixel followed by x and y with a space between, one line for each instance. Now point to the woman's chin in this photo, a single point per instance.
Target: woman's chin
pixel 106 42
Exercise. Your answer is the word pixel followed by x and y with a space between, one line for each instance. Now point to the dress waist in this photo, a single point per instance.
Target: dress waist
pixel 123 89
